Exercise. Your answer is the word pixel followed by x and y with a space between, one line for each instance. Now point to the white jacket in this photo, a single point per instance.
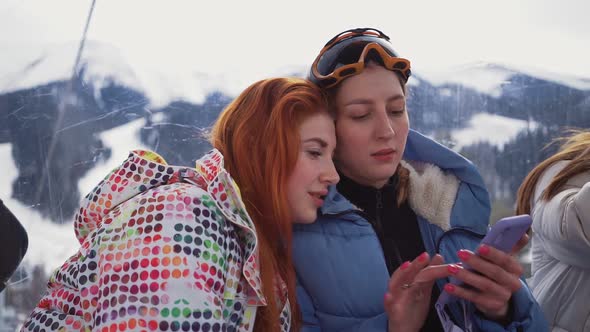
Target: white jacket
pixel 561 252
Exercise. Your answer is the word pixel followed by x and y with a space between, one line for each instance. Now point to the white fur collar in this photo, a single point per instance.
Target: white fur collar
pixel 432 192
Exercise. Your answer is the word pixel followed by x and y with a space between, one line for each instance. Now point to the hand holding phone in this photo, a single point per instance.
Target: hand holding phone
pixel 503 235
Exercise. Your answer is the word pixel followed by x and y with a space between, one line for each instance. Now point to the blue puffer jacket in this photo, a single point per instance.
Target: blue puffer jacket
pixel 341 271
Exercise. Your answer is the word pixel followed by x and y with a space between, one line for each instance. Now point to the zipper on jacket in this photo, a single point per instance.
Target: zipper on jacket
pixel 379 202
pixel 392 259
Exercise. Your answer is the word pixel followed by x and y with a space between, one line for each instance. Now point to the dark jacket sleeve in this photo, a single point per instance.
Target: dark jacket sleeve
pixel 526 315
pixel 14 240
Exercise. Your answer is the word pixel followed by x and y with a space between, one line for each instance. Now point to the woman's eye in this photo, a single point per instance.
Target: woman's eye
pixel 314 154
pixel 397 112
pixel 360 116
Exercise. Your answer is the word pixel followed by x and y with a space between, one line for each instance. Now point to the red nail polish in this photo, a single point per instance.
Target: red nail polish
pixel 449 288
pixel 405 265
pixel 453 269
pixel 483 250
pixel 463 255
pixel 422 258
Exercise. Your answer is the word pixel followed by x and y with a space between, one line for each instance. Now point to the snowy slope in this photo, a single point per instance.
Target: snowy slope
pixel 121 140
pixel 494 129
pixel 489 78
pixel 44 236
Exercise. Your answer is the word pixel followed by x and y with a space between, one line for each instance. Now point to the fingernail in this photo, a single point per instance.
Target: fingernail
pixel 449 288
pixel 483 250
pixel 463 255
pixel 405 265
pixel 453 269
pixel 423 258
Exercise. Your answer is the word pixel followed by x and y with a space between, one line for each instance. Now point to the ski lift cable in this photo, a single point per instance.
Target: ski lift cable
pixel 61 105
pixel 83 40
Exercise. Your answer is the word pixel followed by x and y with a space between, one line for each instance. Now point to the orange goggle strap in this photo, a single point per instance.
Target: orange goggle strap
pixel 392 63
pixel 353 33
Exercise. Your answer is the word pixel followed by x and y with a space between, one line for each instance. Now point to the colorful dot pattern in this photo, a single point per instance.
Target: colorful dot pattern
pixel 163 248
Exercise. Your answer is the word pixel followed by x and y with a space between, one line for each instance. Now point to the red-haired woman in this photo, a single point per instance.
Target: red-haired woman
pixel 196 249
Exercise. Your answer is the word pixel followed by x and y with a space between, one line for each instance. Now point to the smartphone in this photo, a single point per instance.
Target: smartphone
pixel 503 235
pixel 506 232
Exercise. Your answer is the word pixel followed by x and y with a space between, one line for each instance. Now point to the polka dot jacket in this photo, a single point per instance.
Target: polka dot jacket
pixel 163 248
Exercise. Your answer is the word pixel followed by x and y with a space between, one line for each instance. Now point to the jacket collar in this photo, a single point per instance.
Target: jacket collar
pixel 336 203
pixel 431 165
pixel 227 198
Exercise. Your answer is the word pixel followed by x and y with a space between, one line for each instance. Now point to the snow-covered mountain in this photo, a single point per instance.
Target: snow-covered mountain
pixel 26 67
pixel 493 78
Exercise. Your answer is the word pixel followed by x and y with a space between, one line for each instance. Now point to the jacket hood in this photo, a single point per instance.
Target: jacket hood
pixel 141 171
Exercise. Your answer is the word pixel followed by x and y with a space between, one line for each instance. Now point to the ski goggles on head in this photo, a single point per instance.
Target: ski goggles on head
pixel 344 56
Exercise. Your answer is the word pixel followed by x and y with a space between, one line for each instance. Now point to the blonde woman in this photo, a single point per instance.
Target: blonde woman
pixel 557 195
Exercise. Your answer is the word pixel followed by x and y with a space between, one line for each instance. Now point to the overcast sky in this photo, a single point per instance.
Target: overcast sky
pixel 256 39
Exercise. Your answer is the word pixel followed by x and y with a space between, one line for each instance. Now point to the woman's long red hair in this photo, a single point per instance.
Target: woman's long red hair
pixel 258 135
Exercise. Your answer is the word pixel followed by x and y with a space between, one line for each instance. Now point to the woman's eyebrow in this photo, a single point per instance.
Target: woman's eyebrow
pixel 318 140
pixel 359 101
pixel 395 98
pixel 366 101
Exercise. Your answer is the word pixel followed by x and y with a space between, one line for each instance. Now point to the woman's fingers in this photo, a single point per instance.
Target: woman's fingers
pixel 524 240
pixel 407 302
pixel 406 273
pixel 435 270
pixel 486 286
pixel 437 260
pixel 500 258
pixel 491 305
pixel 496 265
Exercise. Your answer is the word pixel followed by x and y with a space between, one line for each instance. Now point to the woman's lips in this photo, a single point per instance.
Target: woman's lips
pixel 318 198
pixel 384 155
